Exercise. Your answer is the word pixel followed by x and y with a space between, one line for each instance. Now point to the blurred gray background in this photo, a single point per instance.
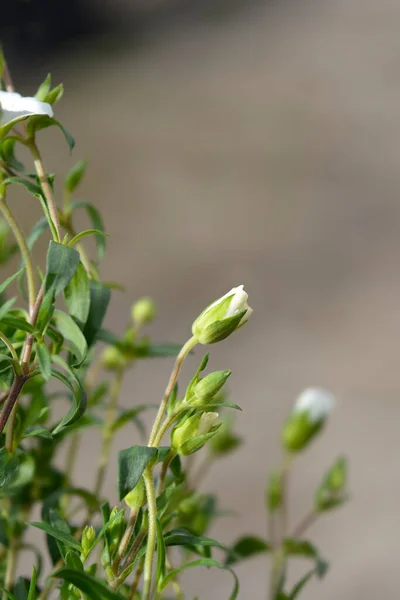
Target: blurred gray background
pixel 257 143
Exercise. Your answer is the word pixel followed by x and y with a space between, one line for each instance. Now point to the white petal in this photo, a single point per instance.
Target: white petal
pixel 317 402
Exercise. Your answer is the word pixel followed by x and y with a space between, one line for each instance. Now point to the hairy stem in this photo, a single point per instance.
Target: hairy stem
pixel 152 534
pixel 107 432
pixel 23 248
pixel 190 344
pixel 44 182
pixel 136 580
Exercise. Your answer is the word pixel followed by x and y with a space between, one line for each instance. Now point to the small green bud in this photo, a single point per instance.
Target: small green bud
pixel 113 359
pixel 222 317
pixel 331 492
pixel 210 385
pixel 307 418
pixel 75 175
pixel 88 537
pixel 136 498
pixel 192 433
pixel 274 491
pixel 143 311
pixel 225 441
pixel 116 529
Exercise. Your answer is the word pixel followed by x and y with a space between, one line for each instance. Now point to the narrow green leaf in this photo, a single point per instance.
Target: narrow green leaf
pixel 9 465
pixel 79 401
pixel 72 334
pixel 77 295
pixel 83 234
pixel 43 121
pixel 6 283
pixel 202 562
pixel 97 222
pixel 6 307
pixel 161 554
pixel 73 561
pixel 44 359
pixel 99 300
pixel 129 416
pixel 94 588
pixel 62 263
pixel 17 323
pixel 300 585
pixel 75 175
pixel 131 464
pixel 61 536
pixel 294 547
pixel 246 547
pixel 182 537
pixel 32 588
pixel 44 89
pixel 45 312
pixel 37 432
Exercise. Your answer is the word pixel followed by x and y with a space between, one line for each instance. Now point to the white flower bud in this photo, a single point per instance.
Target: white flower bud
pixel 222 317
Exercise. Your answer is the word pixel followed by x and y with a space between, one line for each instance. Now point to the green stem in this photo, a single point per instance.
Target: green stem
pixel 136 580
pixel 152 534
pixel 107 432
pixel 9 345
pixel 305 523
pixel 12 556
pixel 19 236
pixel 44 182
pixel 190 344
pixel 125 540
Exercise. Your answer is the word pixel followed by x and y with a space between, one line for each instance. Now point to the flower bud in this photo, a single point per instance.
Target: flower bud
pixel 331 492
pixel 222 317
pixel 307 418
pixel 136 498
pixel 192 433
pixel 274 491
pixel 116 529
pixel 210 385
pixel 143 311
pixel 88 537
pixel 225 441
pixel 113 359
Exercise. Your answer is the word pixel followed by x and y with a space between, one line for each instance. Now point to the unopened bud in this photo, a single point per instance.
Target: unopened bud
pixel 192 433
pixel 210 385
pixel 143 311
pixel 274 491
pixel 88 537
pixel 113 359
pixel 136 498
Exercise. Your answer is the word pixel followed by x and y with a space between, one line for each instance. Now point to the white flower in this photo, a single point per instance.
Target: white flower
pixel 14 107
pixel 207 422
pixel 316 402
pixel 222 317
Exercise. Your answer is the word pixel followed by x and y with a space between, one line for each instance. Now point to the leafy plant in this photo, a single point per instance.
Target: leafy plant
pixel 54 345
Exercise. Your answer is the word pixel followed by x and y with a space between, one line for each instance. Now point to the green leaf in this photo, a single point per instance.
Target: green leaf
pixel 128 416
pixel 182 537
pixel 131 464
pixel 37 432
pixel 97 222
pixel 44 89
pixel 32 588
pixel 61 536
pixel 6 307
pixel 83 234
pixel 79 401
pixel 7 153
pixel 202 562
pixel 31 188
pixel 99 300
pixel 45 312
pixel 44 359
pixel 9 465
pixel 304 548
pixel 6 283
pixel 17 323
pixel 246 547
pixel 300 585
pixel 42 122
pixel 161 554
pixel 62 263
pixel 75 175
pixel 72 334
pixel 55 94
pixel 157 350
pixel 94 588
pixel 77 295
pixel 73 561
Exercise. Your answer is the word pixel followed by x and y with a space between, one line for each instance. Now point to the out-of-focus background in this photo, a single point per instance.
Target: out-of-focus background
pixel 252 142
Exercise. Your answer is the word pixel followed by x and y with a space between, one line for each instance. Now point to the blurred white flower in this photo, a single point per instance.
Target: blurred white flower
pixel 14 107
pixel 316 402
